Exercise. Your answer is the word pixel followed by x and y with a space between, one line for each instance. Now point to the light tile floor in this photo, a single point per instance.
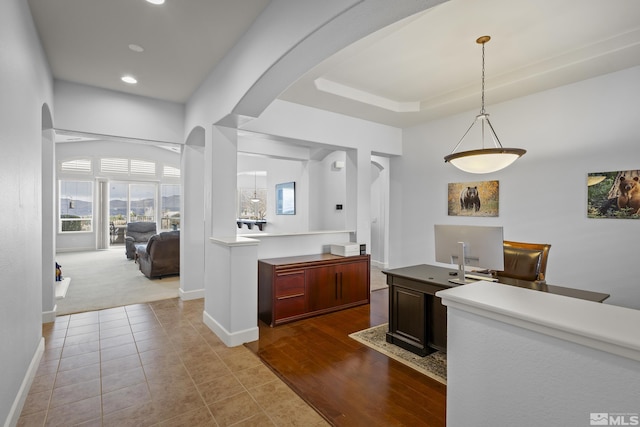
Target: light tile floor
pixel 154 364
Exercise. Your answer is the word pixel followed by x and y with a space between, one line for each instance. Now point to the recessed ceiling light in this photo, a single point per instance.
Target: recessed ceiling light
pixel 156 1
pixel 136 47
pixel 129 79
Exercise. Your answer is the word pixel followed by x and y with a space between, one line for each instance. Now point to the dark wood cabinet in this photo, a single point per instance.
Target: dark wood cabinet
pixel 417 318
pixel 337 285
pixel 409 321
pixel 293 288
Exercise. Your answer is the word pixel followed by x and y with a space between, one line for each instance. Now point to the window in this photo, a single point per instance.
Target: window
pixel 76 206
pixel 142 167
pixel 170 206
pixel 78 165
pixel 142 199
pixel 126 166
pixel 252 195
pixel 131 202
pixel 114 165
pixel 171 172
pixel 118 203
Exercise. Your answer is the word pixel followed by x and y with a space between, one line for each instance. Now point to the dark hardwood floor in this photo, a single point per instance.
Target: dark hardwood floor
pixel 347 382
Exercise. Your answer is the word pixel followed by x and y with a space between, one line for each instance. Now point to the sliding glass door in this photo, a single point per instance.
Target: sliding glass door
pixel 142 202
pixel 130 202
pixel 170 206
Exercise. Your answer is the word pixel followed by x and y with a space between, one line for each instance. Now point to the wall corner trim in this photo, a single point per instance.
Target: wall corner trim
pixel 50 316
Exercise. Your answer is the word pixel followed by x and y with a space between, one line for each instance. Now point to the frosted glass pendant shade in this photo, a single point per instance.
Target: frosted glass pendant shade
pixel 485 160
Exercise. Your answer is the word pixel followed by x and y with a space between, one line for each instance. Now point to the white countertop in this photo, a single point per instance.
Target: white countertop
pixel 299 233
pixel 602 326
pixel 234 241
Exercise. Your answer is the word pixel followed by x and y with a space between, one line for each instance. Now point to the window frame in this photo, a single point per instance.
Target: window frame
pixel 68 202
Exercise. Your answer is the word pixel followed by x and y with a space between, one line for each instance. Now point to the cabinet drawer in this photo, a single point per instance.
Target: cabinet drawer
pixel 289 284
pixel 289 306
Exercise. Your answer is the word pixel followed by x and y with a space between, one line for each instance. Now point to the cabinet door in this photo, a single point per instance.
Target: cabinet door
pixel 322 288
pixel 352 282
pixel 289 293
pixel 408 321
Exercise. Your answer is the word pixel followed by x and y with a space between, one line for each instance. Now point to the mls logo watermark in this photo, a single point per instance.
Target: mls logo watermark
pixel 614 419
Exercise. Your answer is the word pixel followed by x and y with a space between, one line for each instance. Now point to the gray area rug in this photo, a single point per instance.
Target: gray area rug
pixel 433 365
pixel 105 279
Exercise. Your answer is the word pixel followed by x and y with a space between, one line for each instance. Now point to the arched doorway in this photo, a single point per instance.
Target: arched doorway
pixel 48 217
pixel 379 206
pixel 192 239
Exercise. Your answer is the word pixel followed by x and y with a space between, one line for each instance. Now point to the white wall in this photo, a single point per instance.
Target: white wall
pixel 319 185
pixel 278 171
pixel 328 188
pixel 25 85
pixel 284 42
pixel 93 110
pixel 590 126
pixel 361 138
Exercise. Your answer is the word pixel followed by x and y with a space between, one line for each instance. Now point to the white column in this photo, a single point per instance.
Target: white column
pixel 192 228
pixel 231 298
pixel 359 194
pixel 49 216
pixel 231 263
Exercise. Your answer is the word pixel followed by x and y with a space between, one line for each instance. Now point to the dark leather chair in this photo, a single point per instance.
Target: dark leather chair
pixel 161 255
pixel 525 261
pixel 137 232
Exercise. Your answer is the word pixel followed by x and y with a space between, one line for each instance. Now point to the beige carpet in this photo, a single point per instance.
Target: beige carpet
pixel 105 279
pixel 433 365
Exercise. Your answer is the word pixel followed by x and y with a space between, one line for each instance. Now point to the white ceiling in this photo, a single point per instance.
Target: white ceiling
pixel 429 63
pixel 87 41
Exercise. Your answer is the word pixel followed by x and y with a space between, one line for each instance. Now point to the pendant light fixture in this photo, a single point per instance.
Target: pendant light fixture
pixel 255 198
pixel 483 160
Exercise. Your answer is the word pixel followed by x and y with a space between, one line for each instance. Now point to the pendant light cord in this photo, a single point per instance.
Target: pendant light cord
pixel 482 108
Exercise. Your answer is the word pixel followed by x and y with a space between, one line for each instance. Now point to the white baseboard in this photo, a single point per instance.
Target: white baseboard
pixel 18 403
pixel 50 316
pixel 379 264
pixel 230 339
pixel 80 249
pixel 189 295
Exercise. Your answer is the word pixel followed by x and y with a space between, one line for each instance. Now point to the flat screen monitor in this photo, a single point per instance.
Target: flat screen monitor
pixel 482 247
